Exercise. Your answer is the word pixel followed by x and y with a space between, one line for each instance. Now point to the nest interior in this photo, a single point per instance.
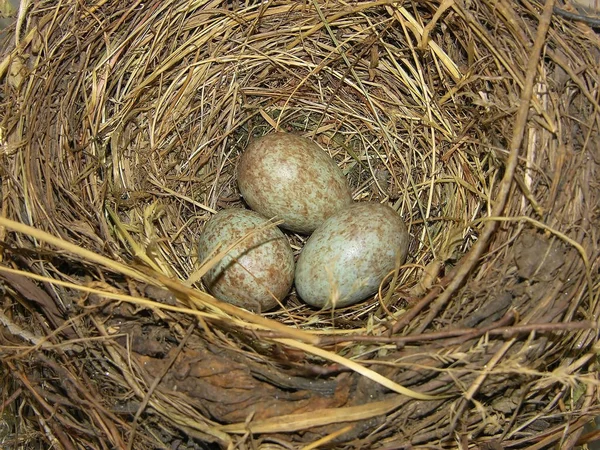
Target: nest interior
pixel 122 123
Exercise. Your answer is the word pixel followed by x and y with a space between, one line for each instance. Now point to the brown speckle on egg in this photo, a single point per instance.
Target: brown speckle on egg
pixel 290 177
pixel 257 272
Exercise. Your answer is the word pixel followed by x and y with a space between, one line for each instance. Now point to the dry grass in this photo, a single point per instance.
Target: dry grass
pixel 121 127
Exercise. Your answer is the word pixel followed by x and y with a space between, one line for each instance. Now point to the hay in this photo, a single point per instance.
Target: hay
pixel 121 127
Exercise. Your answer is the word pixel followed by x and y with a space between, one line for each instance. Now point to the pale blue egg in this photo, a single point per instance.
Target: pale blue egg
pixel 349 255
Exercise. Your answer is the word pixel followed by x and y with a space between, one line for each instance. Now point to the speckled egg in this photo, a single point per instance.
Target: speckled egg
pixel 349 255
pixel 257 271
pixel 290 177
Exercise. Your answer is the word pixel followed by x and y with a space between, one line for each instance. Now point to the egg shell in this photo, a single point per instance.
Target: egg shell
pixel 290 177
pixel 349 255
pixel 258 269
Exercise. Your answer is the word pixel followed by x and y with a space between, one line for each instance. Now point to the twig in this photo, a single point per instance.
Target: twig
pixel 479 247
pixel 414 311
pixel 546 438
pixel 592 21
pixel 41 342
pixel 423 337
pixel 469 261
pixel 497 329
pixel 10 399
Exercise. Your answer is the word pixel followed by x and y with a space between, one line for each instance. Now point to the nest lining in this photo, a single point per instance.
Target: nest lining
pixel 121 130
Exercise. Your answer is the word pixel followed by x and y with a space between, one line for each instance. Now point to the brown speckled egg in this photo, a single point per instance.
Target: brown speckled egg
pixel 290 177
pixel 257 271
pixel 349 255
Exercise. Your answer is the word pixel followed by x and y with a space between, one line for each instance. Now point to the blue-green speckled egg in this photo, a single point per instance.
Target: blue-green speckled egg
pixel 290 177
pixel 257 271
pixel 348 256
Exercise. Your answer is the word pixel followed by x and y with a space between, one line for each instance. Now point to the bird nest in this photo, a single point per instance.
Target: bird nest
pixel 122 124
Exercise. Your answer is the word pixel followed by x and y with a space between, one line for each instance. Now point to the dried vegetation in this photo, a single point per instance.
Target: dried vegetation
pixel 121 126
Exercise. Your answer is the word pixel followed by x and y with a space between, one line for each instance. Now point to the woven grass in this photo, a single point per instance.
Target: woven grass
pixel 122 123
